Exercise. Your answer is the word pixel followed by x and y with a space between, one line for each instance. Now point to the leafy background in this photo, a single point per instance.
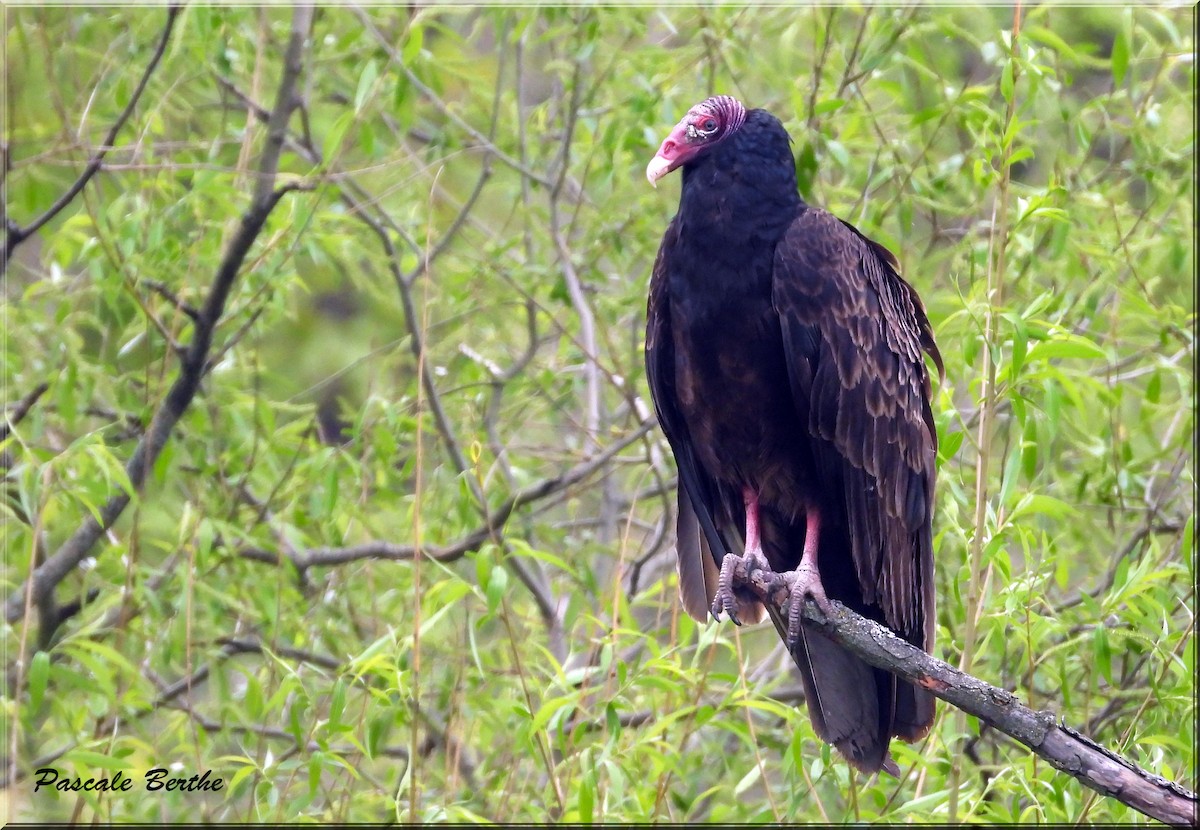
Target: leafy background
pixel 474 387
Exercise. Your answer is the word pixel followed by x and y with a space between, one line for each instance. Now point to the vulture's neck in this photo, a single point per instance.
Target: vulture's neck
pixel 737 204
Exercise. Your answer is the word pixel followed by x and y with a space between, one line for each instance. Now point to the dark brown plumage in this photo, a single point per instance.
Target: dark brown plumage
pixel 785 360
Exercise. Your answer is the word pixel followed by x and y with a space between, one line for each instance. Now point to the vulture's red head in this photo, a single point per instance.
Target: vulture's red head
pixel 704 126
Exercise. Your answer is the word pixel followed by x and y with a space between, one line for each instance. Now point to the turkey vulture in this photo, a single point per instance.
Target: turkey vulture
pixel 784 358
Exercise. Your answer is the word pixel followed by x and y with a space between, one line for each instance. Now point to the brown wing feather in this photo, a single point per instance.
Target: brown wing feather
pixel 701 542
pixel 855 332
pixel 694 561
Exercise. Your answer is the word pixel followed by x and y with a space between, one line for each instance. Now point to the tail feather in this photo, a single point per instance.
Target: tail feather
pixel 915 706
pixel 914 711
pixel 697 569
pixel 854 707
pixel 849 702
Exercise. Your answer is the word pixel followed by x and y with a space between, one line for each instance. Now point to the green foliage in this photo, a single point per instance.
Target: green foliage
pixel 1039 194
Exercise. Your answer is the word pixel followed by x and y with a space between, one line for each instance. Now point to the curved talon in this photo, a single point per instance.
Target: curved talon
pixel 805 584
pixel 724 600
pixel 735 574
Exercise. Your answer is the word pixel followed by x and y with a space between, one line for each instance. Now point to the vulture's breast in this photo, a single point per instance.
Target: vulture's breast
pixel 734 392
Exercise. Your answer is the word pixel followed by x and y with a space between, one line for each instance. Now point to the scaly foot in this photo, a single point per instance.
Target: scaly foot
pixel 805 584
pixel 735 574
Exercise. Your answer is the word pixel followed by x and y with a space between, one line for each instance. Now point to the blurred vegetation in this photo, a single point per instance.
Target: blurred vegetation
pixel 1039 191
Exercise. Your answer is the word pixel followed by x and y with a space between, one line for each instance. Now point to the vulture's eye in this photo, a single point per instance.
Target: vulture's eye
pixel 709 125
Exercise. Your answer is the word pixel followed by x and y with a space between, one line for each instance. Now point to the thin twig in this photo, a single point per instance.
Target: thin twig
pixel 364 207
pixel 170 296
pixel 488 531
pixel 16 234
pixel 20 409
pixel 486 143
pixel 50 573
pixel 997 252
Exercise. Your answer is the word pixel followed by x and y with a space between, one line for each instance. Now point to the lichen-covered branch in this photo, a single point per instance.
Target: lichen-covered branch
pixel 1067 750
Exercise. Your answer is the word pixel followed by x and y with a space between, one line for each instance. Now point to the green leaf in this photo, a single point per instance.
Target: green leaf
pixel 162 464
pixel 1006 81
pixel 1020 155
pixel 315 766
pixel 1029 450
pixel 612 720
pixel 1062 572
pixel 39 673
pixel 366 82
pixel 1051 39
pixel 86 758
pixel 587 796
pixel 1051 404
pixel 1065 345
pixel 1154 388
pixel 1035 504
pixel 748 780
pixel 828 105
pixel 950 444
pixel 337 702
pixel 332 145
pixel 414 43
pixel 298 724
pixel 496 585
pixel 66 391
pixel 551 708
pixel 1020 343
pixel 447 605
pixel 1186 540
pixel 1102 652
pixel 253 697
pixel 241 775
pixel 331 490
pixel 368 657
pixel 837 151
pixel 1121 575
pixel 1120 56
pixel 377 730
pixel 520 547
pixel 1012 466
pixel 806 170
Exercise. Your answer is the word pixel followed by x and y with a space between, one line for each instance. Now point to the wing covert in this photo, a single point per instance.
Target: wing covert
pixel 854 335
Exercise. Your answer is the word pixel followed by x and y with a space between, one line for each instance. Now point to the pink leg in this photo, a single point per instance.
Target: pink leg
pixel 753 543
pixel 806 579
pixel 812 530
pixel 736 568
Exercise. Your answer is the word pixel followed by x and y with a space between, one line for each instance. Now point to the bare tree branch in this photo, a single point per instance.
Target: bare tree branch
pixel 47 575
pixel 360 203
pixel 20 409
pixel 236 645
pixel 1068 751
pixel 16 234
pixel 329 557
pixel 170 296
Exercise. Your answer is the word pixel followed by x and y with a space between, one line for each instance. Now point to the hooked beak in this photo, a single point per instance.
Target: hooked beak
pixel 658 167
pixel 674 151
